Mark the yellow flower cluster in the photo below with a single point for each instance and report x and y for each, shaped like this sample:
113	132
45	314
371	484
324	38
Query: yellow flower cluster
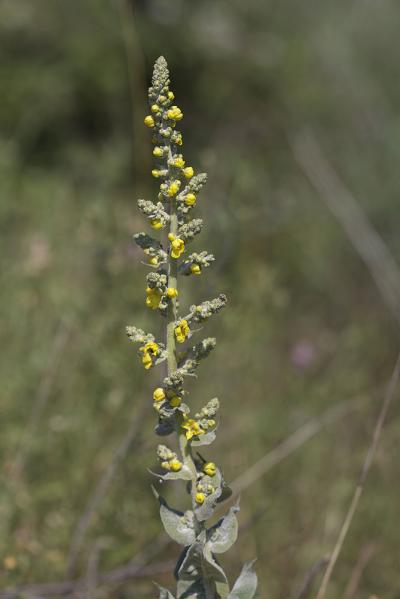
175	113
175	465
177	246
173	188
156	224
153	298
150	350
210	469
172	292
195	269
178	161
182	331
190	199
188	172
202	492
192	428
159	396
149	121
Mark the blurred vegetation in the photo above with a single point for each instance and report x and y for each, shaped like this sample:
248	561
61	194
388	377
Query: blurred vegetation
306	327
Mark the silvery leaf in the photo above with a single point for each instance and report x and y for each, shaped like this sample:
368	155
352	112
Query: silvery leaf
246	585
164	593
179	526
211	569
165	427
206	439
205	510
223	535
187	589
182	474
191	563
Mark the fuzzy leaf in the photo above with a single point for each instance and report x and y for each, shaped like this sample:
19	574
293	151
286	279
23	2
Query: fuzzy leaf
165	427
179	526
246	585
191	562
226	492
206	439
205	510
187	589
164	593
222	589
211	569
223	535
183	474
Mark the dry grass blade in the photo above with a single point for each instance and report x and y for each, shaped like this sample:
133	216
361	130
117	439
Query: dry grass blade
388	399
343	205
131	438
310	577
40	402
291	443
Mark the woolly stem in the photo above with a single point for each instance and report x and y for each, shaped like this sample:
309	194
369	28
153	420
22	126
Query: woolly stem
184	445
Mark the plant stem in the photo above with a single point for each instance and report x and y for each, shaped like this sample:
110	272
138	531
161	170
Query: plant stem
171	347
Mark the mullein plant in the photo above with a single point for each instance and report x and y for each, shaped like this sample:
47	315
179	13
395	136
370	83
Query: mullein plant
198	572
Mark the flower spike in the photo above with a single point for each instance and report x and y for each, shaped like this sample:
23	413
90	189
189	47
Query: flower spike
198	573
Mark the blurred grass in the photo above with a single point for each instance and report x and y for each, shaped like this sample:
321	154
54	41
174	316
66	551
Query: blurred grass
305	329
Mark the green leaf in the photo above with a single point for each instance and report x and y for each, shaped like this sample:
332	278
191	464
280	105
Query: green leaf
223	535
178	525
246	585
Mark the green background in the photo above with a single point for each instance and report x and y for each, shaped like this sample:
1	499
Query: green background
306	328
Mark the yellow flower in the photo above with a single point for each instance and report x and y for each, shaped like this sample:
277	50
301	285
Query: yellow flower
175	113
147	361
162	99
156	173
179	162
192	428
195	269
155	108
177	246
158	151
175	401
159	394
173	188
153	298
171	95
166	465
190	199
210	468
155	223
182	331
175	465
188	172
211	423
178	139
149	121
149	350
172	292
153	261
200	497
